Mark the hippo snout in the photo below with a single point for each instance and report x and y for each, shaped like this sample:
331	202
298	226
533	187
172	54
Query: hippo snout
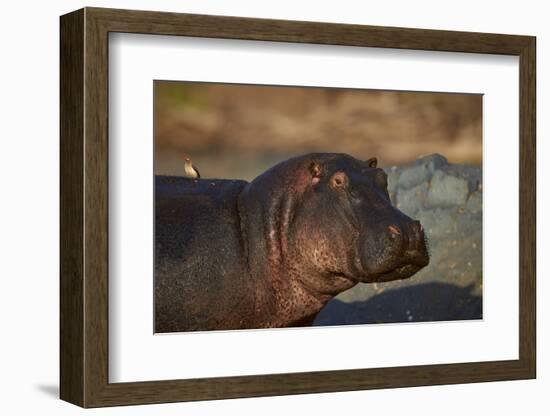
411	241
396	250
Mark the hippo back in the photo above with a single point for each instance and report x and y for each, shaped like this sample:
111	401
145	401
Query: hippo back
198	252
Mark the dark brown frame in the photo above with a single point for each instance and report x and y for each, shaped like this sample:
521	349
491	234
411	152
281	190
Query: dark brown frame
84	213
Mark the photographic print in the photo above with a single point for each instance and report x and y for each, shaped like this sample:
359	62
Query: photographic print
286	206
327	185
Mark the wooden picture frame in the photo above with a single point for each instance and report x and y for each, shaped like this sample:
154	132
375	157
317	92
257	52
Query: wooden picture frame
84	207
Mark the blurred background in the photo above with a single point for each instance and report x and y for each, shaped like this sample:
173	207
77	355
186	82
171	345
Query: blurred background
429	143
237	131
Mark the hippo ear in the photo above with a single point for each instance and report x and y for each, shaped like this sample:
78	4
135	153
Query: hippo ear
372	162
316	171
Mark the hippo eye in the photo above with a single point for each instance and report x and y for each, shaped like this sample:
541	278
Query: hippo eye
339	179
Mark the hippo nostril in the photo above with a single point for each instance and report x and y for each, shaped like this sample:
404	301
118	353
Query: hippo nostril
394	231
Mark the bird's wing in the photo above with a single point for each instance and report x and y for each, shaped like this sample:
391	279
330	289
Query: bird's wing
196	170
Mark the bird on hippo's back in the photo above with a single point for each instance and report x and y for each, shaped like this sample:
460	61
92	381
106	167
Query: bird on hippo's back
189	170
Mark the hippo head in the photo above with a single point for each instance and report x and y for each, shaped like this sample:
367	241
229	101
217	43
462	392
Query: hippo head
328	219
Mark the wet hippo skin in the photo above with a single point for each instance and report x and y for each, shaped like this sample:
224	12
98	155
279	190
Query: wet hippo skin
271	253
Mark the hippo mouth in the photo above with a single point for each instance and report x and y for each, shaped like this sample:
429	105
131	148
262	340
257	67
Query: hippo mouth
397	252
410	265
401	272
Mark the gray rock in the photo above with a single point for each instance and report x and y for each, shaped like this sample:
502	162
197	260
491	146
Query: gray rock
410	201
393	178
447	190
433	162
475	202
472	174
469	223
438	223
413	176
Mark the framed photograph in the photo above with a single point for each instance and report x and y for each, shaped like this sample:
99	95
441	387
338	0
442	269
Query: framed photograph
254	207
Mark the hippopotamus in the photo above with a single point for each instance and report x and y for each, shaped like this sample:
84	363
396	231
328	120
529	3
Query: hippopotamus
231	254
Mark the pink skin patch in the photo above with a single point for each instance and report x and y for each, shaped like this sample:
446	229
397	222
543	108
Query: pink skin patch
394	230
306	177
315	172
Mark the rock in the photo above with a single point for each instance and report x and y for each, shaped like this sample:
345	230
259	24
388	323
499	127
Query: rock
469	223
472	174
410	201
393	179
474	203
447	191
414	176
437	223
433	162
